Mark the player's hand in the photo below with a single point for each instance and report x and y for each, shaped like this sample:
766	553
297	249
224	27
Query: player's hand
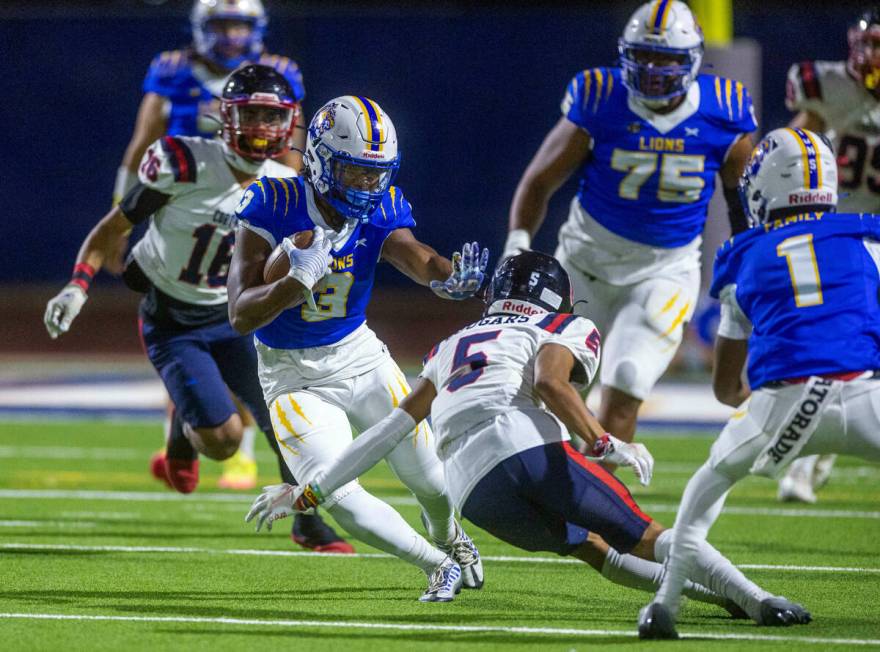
468	272
63	309
307	498
611	449
275	503
310	265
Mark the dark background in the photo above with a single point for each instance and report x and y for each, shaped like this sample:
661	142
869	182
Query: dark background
472	88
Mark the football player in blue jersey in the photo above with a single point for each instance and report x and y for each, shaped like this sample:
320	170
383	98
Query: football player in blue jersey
180	99
799	305
646	139
323	370
187	192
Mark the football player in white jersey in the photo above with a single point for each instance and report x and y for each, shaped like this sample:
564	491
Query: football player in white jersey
647	140
842	100
324	371
181	92
188	189
501	399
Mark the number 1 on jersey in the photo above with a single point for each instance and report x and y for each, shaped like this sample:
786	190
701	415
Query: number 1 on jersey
802	267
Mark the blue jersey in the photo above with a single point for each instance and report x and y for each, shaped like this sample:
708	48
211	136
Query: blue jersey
809	286
191	89
648	185
277	208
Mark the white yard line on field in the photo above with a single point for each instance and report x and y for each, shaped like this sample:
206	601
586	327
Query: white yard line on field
64	547
406	627
167	496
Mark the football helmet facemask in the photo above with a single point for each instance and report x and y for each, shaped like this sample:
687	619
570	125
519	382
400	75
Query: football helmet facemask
529	283
660	51
258	112
790	171
351	155
228	32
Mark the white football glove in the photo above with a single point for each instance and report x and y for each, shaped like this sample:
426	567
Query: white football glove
611	449
275	503
63	308
468	272
517	242
308	266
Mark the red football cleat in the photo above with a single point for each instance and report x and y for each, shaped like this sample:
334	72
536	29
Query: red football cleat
312	533
183	475
158	468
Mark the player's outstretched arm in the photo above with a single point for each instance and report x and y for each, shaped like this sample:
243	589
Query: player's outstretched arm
731	171
100	245
370	447
563	151
252	302
553	366
727	372
150	125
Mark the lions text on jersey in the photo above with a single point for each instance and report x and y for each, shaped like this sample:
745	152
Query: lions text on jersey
852	122
486	370
187	248
277	208
650	176
191	89
808	284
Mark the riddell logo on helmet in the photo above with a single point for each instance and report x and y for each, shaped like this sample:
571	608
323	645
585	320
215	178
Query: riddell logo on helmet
803	198
369	154
520	307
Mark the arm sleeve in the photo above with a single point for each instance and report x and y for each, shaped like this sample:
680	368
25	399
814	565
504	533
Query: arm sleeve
141	202
734	324
366	451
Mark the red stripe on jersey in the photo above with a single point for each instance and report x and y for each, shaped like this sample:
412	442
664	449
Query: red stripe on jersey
554	325
810	80
185	174
607	479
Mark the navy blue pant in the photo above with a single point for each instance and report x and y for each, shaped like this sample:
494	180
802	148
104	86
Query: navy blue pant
548	498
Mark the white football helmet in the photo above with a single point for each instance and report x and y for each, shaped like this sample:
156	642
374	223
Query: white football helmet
660	51
789	169
225	50
351	155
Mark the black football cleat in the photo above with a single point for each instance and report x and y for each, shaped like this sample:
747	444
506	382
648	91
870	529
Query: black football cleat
780	612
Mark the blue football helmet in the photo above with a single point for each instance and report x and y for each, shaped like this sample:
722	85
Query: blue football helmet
228	47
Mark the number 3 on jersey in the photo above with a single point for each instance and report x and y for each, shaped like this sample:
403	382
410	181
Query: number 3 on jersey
332	302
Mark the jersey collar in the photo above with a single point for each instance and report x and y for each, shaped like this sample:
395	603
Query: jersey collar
666	122
338	238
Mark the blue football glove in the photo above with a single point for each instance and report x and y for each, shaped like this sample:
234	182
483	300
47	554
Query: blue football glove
468	272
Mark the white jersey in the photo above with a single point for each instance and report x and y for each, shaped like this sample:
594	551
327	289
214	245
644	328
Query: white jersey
188	246
487	370
852	122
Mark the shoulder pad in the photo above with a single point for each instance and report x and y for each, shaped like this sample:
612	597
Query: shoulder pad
180	156
287	67
280	196
395	212
167	64
589	91
729	102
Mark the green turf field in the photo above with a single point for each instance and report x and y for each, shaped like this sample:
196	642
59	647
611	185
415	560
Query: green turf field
94	555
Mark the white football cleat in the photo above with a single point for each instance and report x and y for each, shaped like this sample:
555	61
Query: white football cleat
444	583
466	555
795	489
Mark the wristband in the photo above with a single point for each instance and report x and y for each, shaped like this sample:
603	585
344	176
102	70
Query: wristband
602	446
83	273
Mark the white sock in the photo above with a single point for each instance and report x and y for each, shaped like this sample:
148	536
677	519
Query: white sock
429	488
246	447
644	575
690	556
375	523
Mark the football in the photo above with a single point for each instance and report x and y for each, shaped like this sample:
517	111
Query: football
278	264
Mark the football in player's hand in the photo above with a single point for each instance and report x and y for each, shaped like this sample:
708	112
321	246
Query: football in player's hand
278	263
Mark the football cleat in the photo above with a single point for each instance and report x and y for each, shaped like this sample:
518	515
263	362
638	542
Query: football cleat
312	533
463	551
656	622
239	472
795	489
780	612
444	583
157	467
